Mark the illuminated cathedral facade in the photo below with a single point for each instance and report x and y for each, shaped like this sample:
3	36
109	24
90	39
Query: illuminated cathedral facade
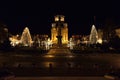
59	22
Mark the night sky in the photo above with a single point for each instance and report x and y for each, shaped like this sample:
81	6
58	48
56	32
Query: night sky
38	15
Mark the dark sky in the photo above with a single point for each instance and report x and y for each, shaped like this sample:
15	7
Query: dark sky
39	14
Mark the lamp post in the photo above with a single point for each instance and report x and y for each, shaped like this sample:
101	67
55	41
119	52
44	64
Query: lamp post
59	37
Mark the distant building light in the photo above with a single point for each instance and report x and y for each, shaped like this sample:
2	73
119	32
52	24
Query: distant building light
5	29
100	41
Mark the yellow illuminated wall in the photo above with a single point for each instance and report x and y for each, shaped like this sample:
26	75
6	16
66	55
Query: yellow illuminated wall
65	34
64	29
53	35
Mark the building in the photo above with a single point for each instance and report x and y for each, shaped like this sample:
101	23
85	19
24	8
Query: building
3	33
117	32
59	22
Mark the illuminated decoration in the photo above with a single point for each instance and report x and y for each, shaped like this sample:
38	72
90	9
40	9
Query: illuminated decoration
99	41
85	39
48	44
93	35
59	23
100	36
14	40
26	39
37	40
71	43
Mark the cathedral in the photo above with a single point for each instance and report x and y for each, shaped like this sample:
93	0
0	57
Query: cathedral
59	22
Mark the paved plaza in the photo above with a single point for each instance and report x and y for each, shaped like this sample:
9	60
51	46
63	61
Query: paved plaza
60	78
60	62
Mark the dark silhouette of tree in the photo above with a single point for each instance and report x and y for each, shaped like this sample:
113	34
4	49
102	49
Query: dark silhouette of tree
4	38
3	32
105	47
108	28
5	46
115	42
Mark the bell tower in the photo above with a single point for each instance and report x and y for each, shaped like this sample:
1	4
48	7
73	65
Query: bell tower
59	30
